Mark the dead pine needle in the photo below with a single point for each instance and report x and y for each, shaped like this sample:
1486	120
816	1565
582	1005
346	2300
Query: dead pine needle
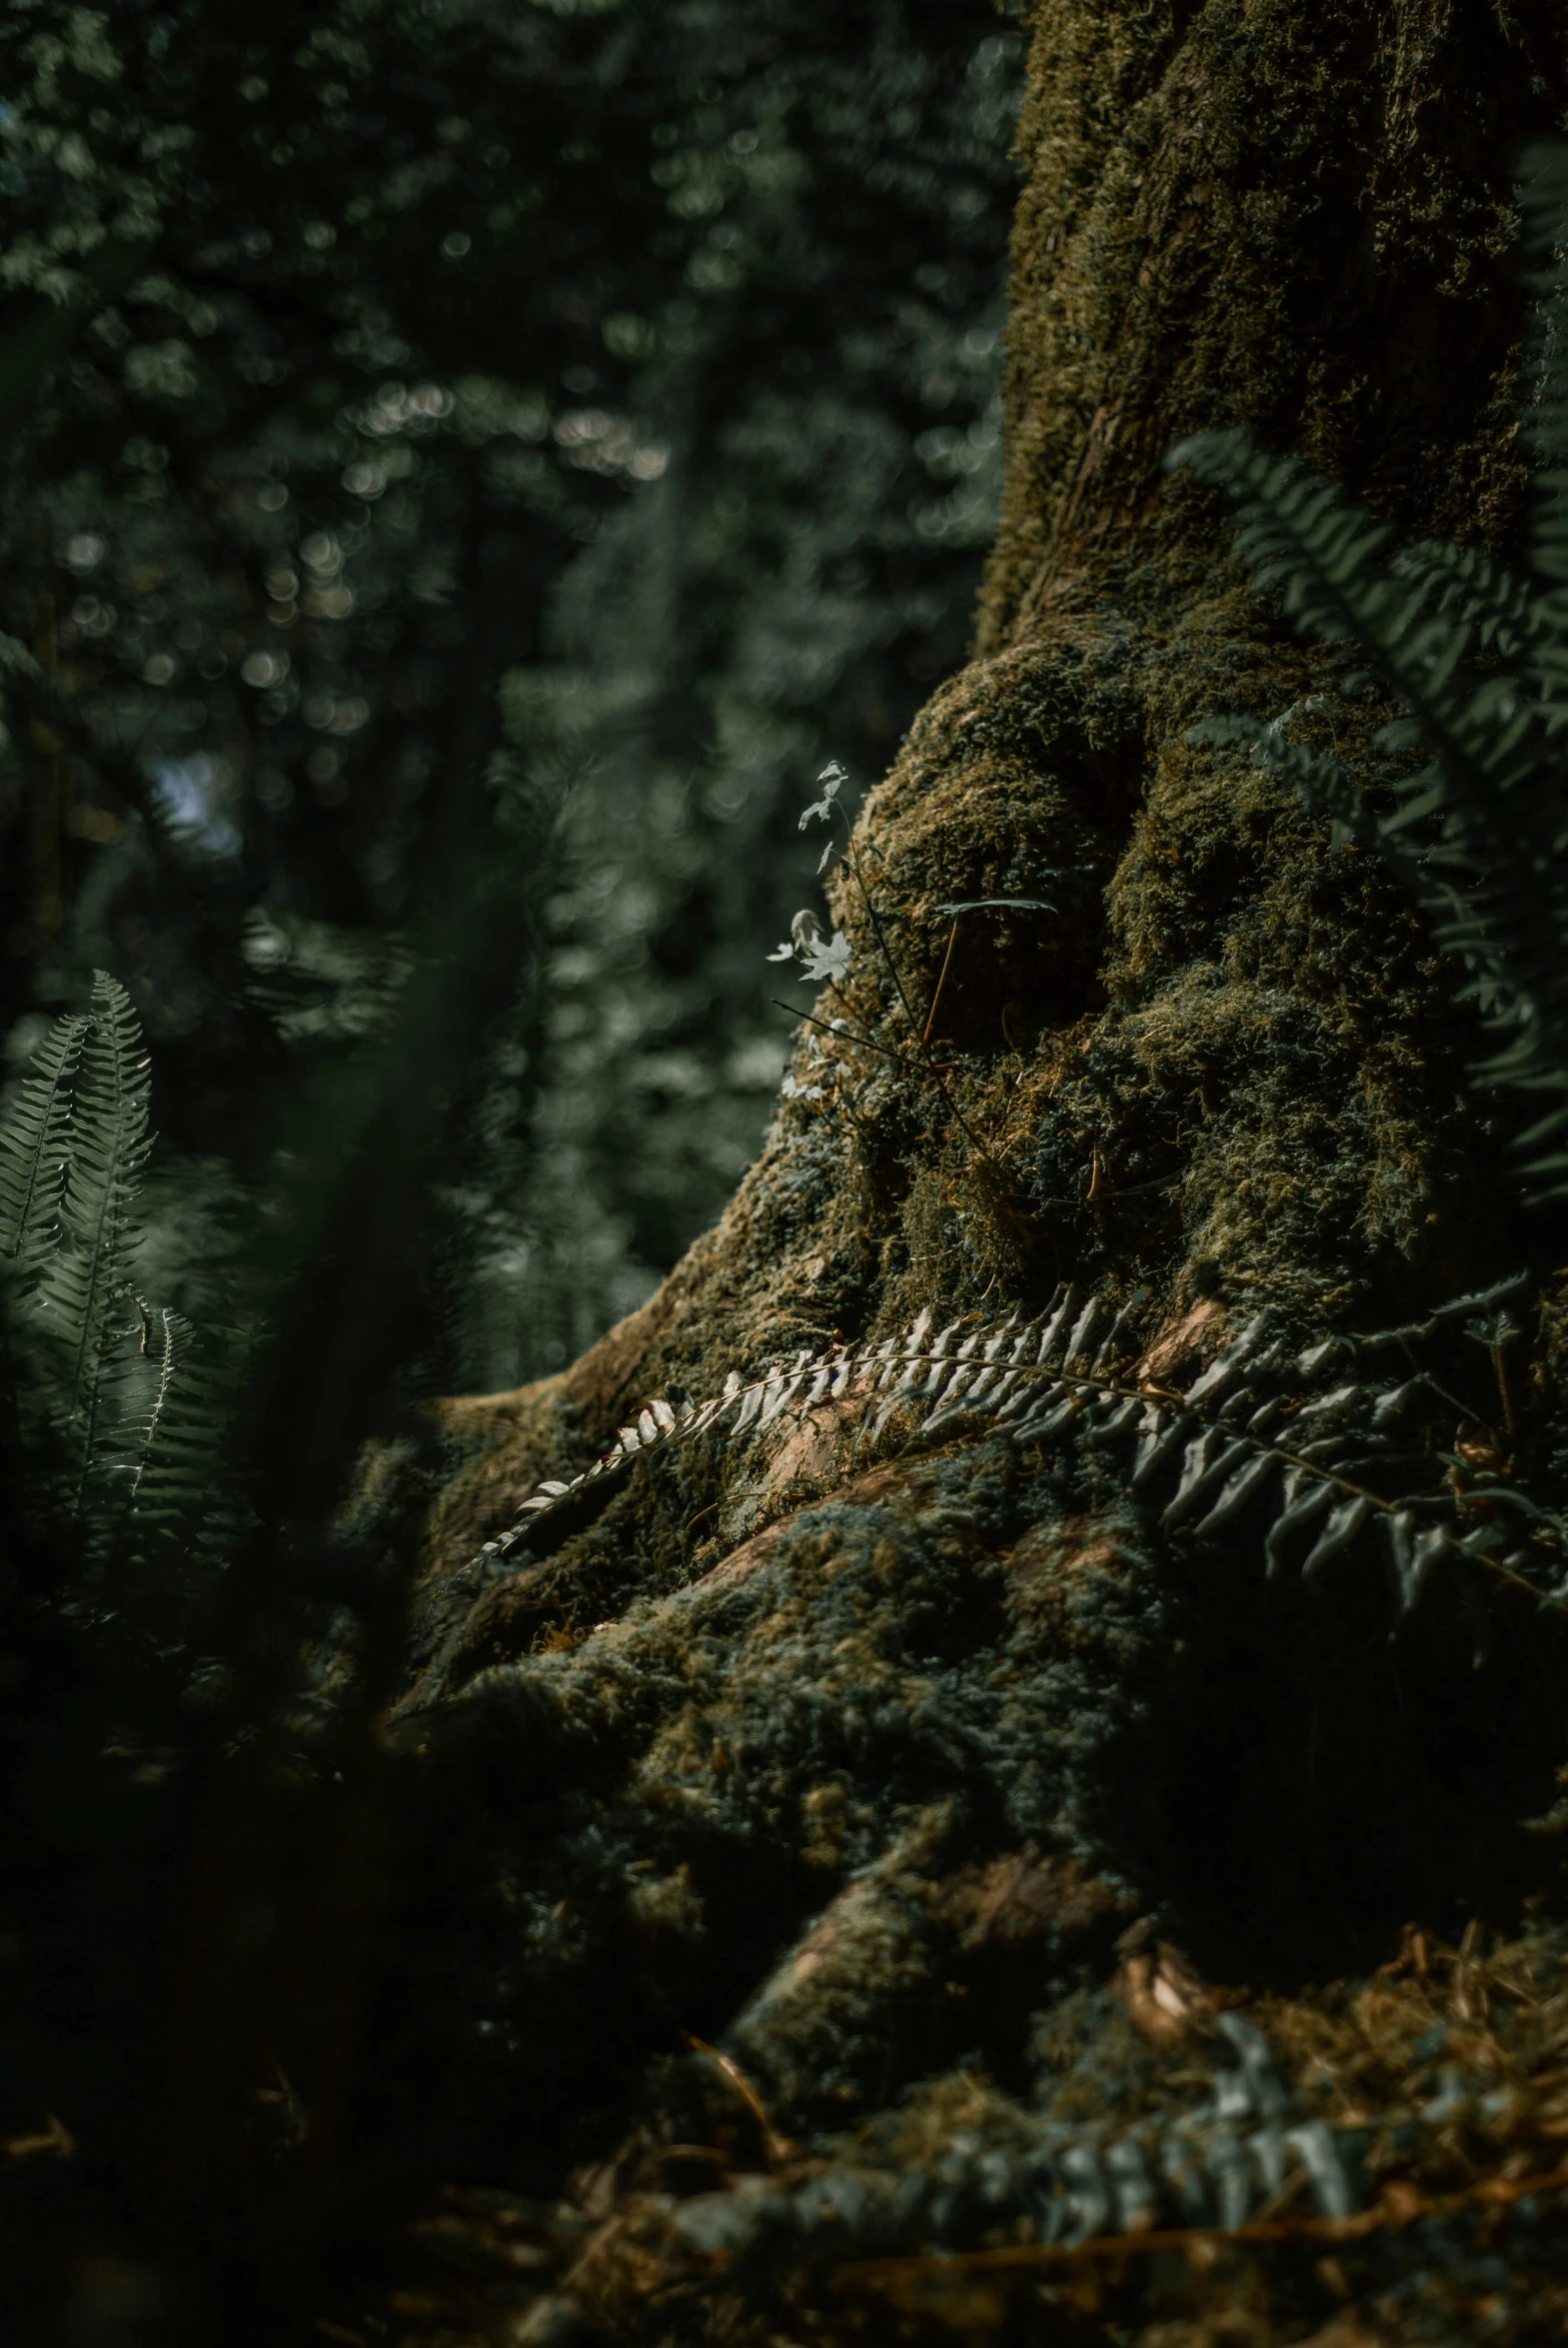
777	2149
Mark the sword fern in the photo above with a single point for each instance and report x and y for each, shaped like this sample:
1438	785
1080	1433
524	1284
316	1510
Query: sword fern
1478	824
134	1415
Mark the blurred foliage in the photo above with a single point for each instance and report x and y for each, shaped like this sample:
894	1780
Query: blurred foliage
458	452
461	462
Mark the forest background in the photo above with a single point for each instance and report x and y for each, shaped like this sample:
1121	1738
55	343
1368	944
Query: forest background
467	468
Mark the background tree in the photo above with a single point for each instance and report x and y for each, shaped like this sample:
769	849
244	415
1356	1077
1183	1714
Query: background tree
382	454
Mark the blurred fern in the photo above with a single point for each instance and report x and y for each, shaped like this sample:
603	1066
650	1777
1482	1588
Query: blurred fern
85	1298
33	1152
111	1379
1478	827
180	1487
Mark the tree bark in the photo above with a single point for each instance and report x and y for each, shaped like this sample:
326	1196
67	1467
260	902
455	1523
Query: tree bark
861	1759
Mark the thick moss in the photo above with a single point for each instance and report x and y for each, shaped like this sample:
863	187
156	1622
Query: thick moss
1247	212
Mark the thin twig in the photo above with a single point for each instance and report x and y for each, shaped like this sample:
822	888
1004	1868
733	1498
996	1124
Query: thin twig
886	950
847	1036
931	1017
923	1063
1505	1387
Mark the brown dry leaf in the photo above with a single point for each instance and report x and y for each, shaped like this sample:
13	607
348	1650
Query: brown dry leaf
811	1451
1163	1993
1175	1345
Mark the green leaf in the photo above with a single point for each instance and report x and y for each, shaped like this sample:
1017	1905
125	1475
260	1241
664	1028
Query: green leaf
34	1146
84	1295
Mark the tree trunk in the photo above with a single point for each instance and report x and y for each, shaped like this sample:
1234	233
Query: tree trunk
855	1756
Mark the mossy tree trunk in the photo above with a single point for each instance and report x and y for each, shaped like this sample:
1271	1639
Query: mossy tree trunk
854	1762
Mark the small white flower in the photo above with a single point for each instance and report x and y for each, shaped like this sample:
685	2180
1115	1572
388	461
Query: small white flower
819	958
804	931
829	783
827	960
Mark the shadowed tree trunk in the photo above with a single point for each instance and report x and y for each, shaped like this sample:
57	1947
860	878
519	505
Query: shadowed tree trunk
852	1756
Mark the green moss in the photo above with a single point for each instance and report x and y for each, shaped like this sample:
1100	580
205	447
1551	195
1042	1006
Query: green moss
1250	214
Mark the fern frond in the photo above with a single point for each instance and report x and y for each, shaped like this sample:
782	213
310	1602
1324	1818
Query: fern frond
1303	540
1480	833
1322	557
1322	783
1050	2183
142	1402
180	1490
34	1147
1285	1441
1465	584
84	1286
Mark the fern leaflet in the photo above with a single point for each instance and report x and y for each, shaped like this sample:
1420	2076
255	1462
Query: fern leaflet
84	1289
34	1147
145	1423
179	1491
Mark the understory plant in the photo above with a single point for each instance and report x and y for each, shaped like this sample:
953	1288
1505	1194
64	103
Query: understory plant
1468	803
127	1403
